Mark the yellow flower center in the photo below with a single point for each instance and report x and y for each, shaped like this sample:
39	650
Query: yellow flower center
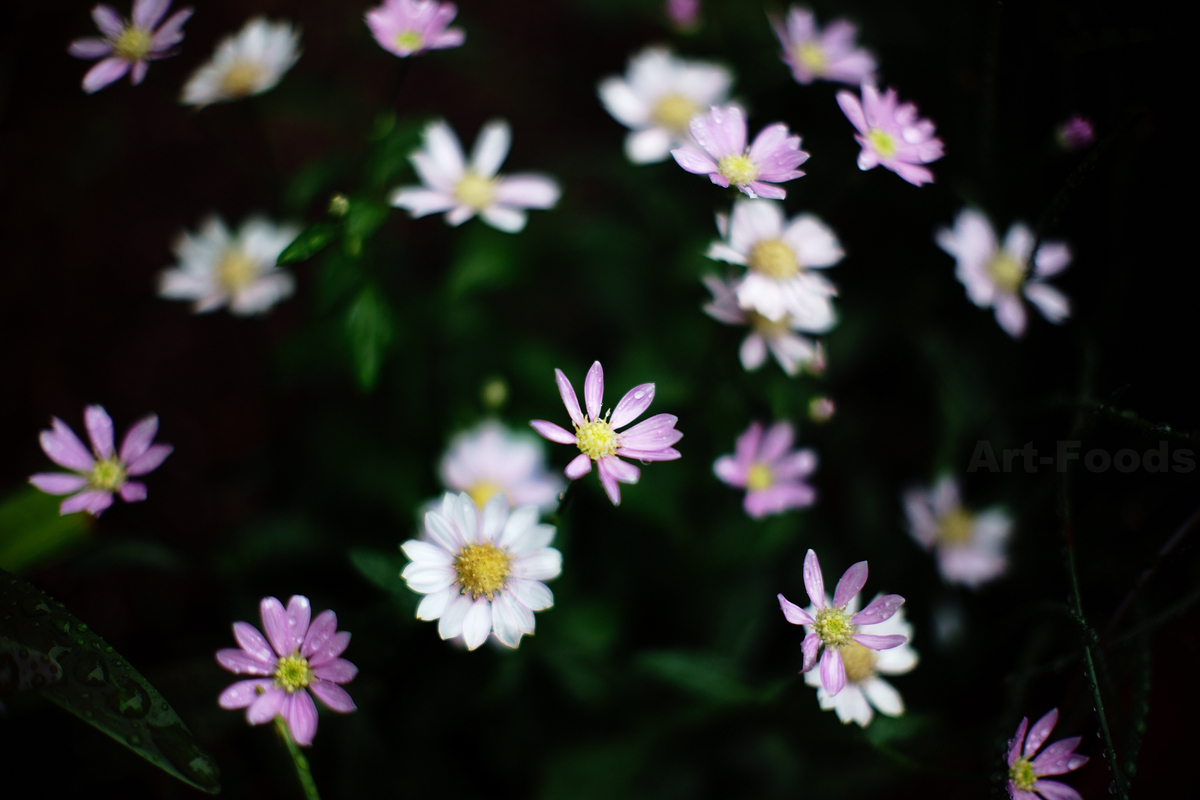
597	439
882	142
955	527
475	191
833	626
236	271
738	170
1022	775
812	56
759	478
773	258
482	569
292	673
132	44
674	112
242	79
766	328
482	491
409	40
1007	272
108	475
859	662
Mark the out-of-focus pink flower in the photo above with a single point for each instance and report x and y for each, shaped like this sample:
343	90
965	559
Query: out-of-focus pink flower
292	657
463	190
829	55
821	409
491	459
684	14
129	45
769	470
103	471
970	547
725	159
1076	133
597	437
791	350
997	276
832	626
891	134
410	27
1025	772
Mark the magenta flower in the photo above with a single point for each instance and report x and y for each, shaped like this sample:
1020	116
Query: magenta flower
1025	771
1075	133
772	158
829	55
293	656
769	470
833	626
597	437
128	43
891	134
103	471
410	27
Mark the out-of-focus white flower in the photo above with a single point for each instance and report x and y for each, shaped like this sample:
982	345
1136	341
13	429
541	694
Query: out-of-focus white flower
491	459
249	62
791	350
970	547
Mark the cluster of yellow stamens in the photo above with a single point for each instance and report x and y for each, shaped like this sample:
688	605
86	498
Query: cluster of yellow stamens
132	44
674	112
833	626
108	475
242	79
482	569
597	439
859	662
292	673
235	271
882	142
1006	272
475	191
737	169
409	40
482	491
1022	775
759	477
812	56
955	527
768	329
773	258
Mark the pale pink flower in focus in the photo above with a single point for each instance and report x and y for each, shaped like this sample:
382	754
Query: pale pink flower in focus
597	437
292	657
723	156
769	470
970	547
104	470
997	276
1075	133
891	134
129	45
410	27
833	626
829	55
1025	772
791	350
490	459
464	190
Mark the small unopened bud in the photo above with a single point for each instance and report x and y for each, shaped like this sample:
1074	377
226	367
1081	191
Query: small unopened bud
339	204
820	409
494	393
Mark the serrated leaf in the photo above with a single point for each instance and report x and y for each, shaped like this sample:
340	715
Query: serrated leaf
43	646
369	328
32	530
310	242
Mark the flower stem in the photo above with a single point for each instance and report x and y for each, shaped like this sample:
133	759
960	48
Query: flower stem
302	769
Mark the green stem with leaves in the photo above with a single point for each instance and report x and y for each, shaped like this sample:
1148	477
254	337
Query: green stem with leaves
303	772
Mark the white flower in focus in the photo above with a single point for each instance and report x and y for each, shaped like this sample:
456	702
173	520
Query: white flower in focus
970	547
491	459
791	350
217	268
249	62
658	97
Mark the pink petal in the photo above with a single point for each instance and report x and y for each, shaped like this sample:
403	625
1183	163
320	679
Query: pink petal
241	662
1017	743
92	502
853	110
775	443
766	190
747	445
609	482
58	482
1053	790
320	633
795	465
814	584
554	433
275	624
89	49
635	401
249	639
133	492
622	471
299	613
243	693
664	454
580	465
1040	732
267	706
339	670
169	34
336	645
593	391
138	73
810	646
877	642
147	13
833	672
694	161
879	610
567	392
1058	758
333	696
301	715
108	20
730	472
914	174
778	498
656	433
1051	258
851	584
137	440
794	613
64	448
150	460
104	73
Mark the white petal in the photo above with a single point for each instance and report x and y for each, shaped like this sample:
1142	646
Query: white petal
883	696
534	595
491	148
649	146
478	623
434	605
540	565
451	622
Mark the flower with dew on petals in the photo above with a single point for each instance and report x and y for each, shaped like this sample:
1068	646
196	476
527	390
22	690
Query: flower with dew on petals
828	55
833	626
792	351
597	437
997	276
249	62
1076	133
722	154
293	657
891	134
490	458
482	572
104	470
864	688
658	97
970	547
779	257
769	470
1025	772
410	27
464	190
129	45
217	268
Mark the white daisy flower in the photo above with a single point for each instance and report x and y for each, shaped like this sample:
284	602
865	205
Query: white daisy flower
217	268
970	547
490	458
791	350
249	62
658	97
482	573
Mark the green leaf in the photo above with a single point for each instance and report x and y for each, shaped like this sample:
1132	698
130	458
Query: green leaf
707	675
487	260
363	218
43	646
369	327
380	568
308	244
32	531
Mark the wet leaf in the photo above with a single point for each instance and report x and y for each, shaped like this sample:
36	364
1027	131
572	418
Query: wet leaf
308	243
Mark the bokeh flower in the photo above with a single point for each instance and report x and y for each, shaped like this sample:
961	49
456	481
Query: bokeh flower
970	547
129	45
683	14
722	154
658	97
998	275
217	268
832	626
410	27
464	190
104	471
597	437
864	687
815	54
293	657
491	458
770	471
249	62
1076	133
891	134
1025	771
482	573
792	351
821	409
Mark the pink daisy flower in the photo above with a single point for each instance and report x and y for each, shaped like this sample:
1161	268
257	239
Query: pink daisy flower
410	27
833	626
891	134
769	470
128	44
103	471
970	547
293	656
791	350
772	158
490	459
597	437
829	55
1025	772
